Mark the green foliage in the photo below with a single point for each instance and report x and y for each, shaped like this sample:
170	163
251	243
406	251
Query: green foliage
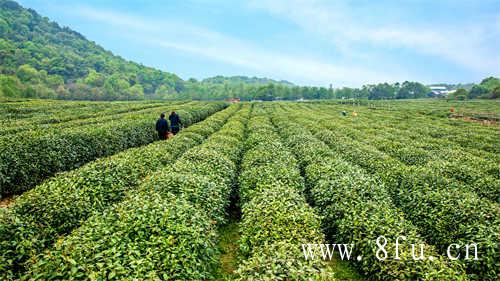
412	90
276	218
153	212
444	210
34	115
61	204
31	44
27	73
148	236
35	155
160	243
460	94
492	86
357	208
10	86
278	261
220	87
381	91
495	94
490	83
478	91
298	225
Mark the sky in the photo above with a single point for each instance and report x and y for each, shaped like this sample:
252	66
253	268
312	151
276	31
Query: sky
343	43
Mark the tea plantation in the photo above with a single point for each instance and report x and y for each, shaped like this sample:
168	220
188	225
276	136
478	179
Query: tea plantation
243	187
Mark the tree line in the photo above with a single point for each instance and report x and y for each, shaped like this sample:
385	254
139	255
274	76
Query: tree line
488	88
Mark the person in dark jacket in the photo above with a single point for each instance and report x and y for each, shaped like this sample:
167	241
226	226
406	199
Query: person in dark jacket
162	127
175	122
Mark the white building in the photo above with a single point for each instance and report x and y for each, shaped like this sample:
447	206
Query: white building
441	90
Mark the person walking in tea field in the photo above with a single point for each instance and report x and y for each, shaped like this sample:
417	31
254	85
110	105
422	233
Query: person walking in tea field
175	122
162	127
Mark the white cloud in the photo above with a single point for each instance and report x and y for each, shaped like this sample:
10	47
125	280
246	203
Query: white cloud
468	46
222	48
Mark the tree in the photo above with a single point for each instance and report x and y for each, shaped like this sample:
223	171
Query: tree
460	94
478	91
115	86
135	92
53	81
44	92
79	91
344	93
490	83
62	92
10	86
495	94
163	90
382	91
265	93
26	73
179	86
4	27
94	78
412	90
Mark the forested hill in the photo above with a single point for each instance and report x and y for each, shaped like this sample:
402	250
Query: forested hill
41	59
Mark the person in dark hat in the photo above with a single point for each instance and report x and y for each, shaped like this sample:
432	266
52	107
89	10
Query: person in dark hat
175	122
162	127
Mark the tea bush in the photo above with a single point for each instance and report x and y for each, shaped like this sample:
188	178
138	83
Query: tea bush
162	243
276	219
31	157
59	205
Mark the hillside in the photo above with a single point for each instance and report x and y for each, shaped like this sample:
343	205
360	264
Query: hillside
39	58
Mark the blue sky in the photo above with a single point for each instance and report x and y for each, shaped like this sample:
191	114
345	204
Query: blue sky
346	43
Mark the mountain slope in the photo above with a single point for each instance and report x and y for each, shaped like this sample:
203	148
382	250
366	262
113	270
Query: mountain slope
38	58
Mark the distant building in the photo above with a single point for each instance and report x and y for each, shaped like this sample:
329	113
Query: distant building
233	100
438	91
448	92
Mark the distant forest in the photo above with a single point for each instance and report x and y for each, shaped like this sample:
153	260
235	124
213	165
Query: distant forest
40	59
